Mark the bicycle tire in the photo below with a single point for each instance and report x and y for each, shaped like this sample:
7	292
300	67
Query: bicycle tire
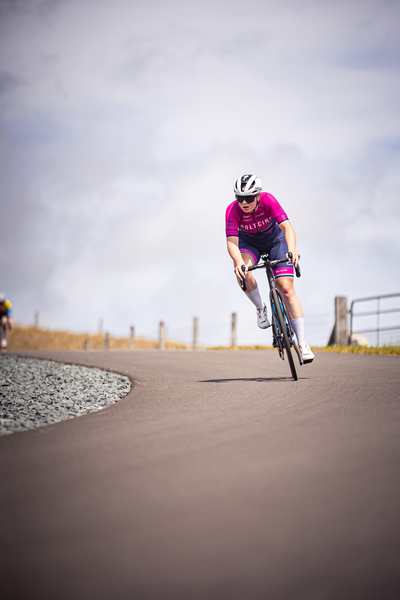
293	342
285	338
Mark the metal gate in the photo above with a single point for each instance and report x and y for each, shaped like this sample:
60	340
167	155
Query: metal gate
378	312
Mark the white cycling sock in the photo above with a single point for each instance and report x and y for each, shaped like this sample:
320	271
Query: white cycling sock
299	329
255	297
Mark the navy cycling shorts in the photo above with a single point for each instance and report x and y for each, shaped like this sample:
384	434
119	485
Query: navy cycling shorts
275	248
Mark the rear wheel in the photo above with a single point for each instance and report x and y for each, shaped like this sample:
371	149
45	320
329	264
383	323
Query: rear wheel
284	336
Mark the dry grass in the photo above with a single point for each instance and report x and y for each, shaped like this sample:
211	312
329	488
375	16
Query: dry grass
257	347
35	338
386	350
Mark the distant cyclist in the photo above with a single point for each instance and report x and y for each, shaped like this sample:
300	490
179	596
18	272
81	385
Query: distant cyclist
5	316
257	224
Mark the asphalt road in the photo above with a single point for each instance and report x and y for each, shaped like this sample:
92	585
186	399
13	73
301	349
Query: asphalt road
217	477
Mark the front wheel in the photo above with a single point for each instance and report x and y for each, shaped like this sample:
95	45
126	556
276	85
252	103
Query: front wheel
283	332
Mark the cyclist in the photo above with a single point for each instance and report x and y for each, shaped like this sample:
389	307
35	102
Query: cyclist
256	224
5	316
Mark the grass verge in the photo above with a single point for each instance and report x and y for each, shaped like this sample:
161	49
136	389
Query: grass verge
35	338
386	350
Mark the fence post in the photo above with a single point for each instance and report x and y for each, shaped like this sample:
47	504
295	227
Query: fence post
340	333
106	341
161	345
132	338
86	345
195	333
36	318
233	330
341	312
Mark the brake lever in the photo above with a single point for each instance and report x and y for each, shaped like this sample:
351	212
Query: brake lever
243	281
297	267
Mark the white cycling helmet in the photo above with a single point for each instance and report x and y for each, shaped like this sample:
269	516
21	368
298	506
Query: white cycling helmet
247	185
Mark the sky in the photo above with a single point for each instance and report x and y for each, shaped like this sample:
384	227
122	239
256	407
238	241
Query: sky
124	124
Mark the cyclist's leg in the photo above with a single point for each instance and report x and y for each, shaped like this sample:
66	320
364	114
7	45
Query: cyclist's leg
249	259
293	306
284	277
251	256
289	296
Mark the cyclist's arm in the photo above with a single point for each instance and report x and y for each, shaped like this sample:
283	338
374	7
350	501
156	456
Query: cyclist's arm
235	254
290	237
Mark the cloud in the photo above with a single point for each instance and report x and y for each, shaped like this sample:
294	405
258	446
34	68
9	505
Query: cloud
123	126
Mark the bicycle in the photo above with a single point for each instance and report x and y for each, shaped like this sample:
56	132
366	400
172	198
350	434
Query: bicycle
283	337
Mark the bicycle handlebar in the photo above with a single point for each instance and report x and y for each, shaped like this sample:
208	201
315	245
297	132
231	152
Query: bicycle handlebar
265	265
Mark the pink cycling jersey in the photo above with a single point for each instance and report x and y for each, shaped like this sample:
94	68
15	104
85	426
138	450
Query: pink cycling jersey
262	221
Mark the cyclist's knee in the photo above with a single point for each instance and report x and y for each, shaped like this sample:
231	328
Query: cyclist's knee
286	286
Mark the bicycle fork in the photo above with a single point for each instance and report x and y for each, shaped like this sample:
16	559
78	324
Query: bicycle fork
277	341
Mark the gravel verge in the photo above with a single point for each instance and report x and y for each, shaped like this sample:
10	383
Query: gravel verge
37	392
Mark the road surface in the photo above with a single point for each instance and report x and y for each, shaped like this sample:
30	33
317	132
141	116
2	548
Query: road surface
217	477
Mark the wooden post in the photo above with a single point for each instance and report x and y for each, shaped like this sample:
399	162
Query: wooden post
36	318
106	341
161	345
233	330
341	312
86	345
132	339
340	333
195	333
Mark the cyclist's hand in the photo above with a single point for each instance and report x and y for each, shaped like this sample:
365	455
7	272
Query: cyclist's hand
240	271
294	258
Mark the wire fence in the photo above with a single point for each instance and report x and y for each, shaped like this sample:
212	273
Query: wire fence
202	332
318	329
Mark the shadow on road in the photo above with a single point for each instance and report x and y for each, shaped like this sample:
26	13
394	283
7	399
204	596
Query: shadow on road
259	379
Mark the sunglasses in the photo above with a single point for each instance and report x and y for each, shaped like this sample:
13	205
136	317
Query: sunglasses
248	199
